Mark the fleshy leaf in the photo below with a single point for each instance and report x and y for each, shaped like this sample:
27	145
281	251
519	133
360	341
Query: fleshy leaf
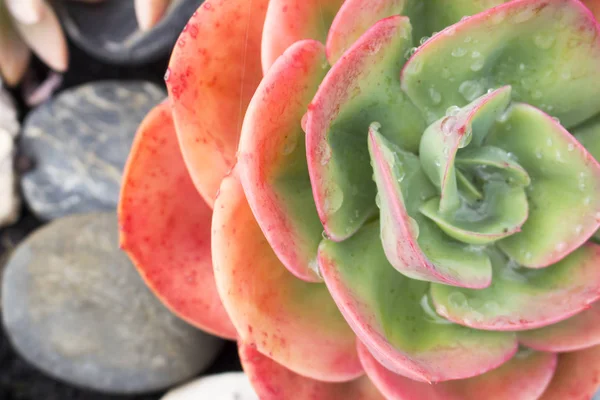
170	252
524	377
503	209
577	376
293	322
392	315
547	50
575	333
272	158
361	87
46	38
272	381
520	298
289	21
355	17
413	244
14	53
564	194
213	73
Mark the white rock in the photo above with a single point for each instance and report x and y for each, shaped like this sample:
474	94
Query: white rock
227	386
9	128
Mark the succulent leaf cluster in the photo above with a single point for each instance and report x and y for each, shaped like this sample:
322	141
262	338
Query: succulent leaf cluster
375	195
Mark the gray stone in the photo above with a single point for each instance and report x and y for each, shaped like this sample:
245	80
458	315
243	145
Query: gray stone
10	201
109	30
79	143
75	307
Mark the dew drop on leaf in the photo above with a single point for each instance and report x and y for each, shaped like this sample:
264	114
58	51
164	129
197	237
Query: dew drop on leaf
436	97
459	52
543	41
334	199
470	90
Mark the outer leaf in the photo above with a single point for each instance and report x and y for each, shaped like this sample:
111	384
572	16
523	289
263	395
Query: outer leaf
213	73
413	244
519	298
594	6
575	333
46	38
293	322
165	226
289	21
272	158
272	381
355	17
524	377
149	12
392	316
14	53
361	88
547	50
564	194
577	376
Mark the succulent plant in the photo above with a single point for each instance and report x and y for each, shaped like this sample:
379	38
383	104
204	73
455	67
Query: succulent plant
32	25
368	213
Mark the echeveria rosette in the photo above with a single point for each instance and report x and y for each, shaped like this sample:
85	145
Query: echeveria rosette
379	224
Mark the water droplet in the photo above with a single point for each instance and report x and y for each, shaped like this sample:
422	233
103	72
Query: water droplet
522	67
549	142
401	177
571	147
437	162
414	66
559	156
413	227
334	199
304	121
314	265
458	52
578	229
498	16
450	31
477	65
436	97
468	39
566	75
544	41
410	52
325	154
470	90
587	201
555	119
446	152
290	144
423	40
528	255
524	15
582	186
324	235
457	299
538	154
452	111
378	200
167	74
561	247
447	125
537	94
464	17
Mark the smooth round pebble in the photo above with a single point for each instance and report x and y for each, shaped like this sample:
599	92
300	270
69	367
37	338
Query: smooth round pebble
123	43
10	201
79	143
227	386
75	307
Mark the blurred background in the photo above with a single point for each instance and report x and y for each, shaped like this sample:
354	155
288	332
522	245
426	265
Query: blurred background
78	322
